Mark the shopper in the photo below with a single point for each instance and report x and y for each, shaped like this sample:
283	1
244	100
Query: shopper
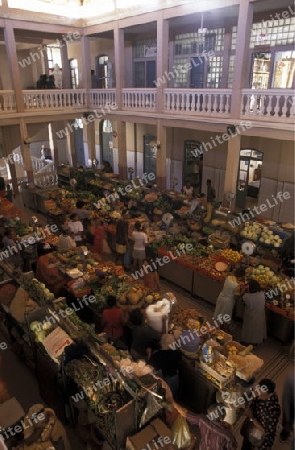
76	227
121	239
215	435
254	323
265	410
9	193
211	194
167	361
288	406
113	320
140	241
94	80
98	236
106	167
143	337
226	299
151	278
188	190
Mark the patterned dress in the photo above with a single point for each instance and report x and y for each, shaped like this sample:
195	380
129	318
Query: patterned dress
267	413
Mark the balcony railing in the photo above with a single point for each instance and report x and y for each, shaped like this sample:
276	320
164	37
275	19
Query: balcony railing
139	99
7	101
273	105
99	98
269	105
55	99
209	102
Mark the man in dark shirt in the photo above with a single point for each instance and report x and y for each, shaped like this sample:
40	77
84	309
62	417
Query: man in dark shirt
167	361
143	337
211	195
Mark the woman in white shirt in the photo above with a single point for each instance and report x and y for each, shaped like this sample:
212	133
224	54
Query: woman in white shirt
188	190
140	240
76	227
65	240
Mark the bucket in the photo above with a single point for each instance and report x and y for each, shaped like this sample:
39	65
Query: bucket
155	313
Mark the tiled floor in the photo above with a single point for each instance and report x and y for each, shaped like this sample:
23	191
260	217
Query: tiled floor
23	385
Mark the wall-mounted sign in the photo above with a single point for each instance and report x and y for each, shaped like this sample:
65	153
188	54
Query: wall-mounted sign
150	50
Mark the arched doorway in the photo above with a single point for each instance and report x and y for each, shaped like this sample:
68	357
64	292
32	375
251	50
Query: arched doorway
249	178
106	141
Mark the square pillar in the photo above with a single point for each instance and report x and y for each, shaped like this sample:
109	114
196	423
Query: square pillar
122	150
245	21
232	164
66	73
25	149
85	82
162	59
10	45
161	155
119	63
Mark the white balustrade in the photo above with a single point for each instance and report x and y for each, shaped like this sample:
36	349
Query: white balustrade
102	98
139	99
7	101
54	99
268	104
47	176
37	163
208	102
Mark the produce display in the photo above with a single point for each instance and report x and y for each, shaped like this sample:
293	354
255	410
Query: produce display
252	230
270	238
264	275
36	290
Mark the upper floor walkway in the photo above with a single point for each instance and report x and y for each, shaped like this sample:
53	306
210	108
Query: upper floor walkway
274	106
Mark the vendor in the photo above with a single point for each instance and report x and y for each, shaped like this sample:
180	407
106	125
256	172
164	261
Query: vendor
66	240
76	227
211	194
106	167
188	190
198	202
81	212
143	337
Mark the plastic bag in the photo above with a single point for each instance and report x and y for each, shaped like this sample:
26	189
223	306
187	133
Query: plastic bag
252	433
181	433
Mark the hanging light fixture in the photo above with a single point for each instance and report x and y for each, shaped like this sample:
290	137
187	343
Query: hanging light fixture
202	30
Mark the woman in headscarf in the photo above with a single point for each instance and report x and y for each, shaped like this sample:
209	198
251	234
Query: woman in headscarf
265	410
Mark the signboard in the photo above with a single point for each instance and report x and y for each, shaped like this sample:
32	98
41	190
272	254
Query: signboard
150	50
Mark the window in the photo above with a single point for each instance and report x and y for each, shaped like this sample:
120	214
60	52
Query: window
195	43
273	32
181	75
54	57
284	68
231	71
233	38
143	49
74	73
214	72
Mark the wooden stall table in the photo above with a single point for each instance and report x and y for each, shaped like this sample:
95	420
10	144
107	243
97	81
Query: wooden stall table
206	288
50	276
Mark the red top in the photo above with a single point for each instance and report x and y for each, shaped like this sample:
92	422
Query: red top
112	323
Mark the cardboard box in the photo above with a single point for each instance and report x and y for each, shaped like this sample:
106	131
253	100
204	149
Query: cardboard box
155	436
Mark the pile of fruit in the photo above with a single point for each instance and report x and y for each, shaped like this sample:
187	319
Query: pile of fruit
264	275
38	291
41	329
230	256
270	238
251	231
